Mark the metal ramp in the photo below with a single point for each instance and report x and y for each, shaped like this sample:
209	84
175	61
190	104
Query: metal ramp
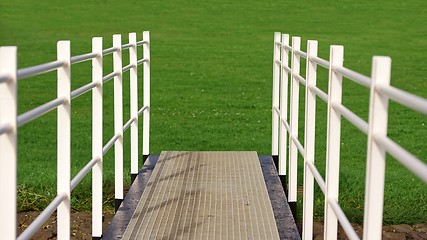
204	195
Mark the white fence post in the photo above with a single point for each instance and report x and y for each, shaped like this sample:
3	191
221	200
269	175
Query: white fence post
8	143
333	141
375	169
309	140
97	141
146	117
283	134
133	107
118	120
64	140
275	104
293	151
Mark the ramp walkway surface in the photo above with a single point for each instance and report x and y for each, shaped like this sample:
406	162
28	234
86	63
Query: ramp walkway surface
203	195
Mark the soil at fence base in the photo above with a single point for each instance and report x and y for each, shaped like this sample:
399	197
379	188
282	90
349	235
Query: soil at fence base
81	225
393	232
81	228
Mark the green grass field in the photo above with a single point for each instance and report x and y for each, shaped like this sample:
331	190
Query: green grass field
211	83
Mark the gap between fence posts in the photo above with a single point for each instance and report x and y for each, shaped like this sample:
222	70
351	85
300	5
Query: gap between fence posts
375	169
333	141
309	140
146	93
97	135
8	142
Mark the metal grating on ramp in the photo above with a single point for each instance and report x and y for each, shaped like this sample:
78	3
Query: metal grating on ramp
204	195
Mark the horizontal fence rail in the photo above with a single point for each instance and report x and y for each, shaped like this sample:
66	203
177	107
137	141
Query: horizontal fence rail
286	145
10	121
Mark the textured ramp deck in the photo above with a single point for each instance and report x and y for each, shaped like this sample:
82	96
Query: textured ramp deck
204	195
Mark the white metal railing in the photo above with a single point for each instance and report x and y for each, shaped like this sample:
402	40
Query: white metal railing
10	121
285	132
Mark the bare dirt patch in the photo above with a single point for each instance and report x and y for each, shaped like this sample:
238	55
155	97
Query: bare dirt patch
81	225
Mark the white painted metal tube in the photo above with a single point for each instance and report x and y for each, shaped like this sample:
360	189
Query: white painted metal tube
118	117
286	68
283	113
109	50
109	76
287	127
83	57
42	218
4	78
39	69
39	111
63	154
298	145
354	76
320	61
5	128
97	137
83	89
333	141
309	142
293	121
357	121
319	179
376	155
286	46
319	93
8	143
142	110
146	97
300	53
141	42
126	46
128	123
134	131
109	144
128	67
345	224
141	61
83	172
300	79
276	110
418	167
275	98
406	99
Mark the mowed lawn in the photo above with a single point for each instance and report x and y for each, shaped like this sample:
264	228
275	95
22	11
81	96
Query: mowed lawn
211	84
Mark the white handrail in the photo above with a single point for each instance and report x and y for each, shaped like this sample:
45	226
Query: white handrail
83	89
39	69
83	57
109	50
9	122
39	111
406	99
4	78
354	76
376	130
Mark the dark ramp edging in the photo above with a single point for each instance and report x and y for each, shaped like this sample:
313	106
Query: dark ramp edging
125	212
282	213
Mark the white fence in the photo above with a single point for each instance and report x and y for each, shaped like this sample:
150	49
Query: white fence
285	132
10	121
